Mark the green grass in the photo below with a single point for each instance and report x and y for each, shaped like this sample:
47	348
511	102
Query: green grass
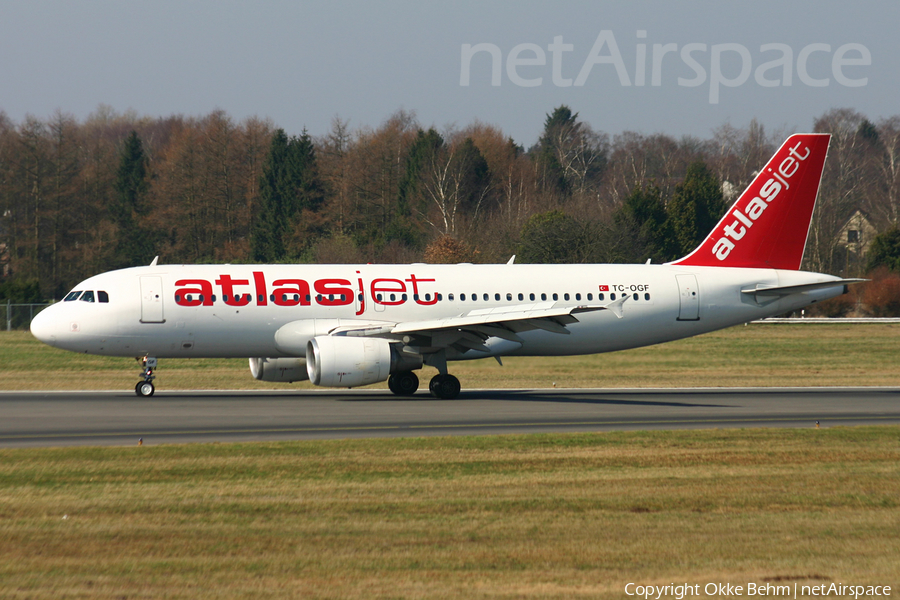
540	516
755	355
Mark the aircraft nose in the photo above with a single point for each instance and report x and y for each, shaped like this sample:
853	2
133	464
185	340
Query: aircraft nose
44	326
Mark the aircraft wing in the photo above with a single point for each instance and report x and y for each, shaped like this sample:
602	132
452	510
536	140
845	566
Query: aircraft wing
469	330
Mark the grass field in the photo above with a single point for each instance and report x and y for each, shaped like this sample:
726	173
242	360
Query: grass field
540	516
493	517
755	355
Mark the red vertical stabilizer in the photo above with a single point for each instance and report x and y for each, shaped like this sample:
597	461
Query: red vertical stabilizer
768	225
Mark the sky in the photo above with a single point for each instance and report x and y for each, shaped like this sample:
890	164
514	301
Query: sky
679	68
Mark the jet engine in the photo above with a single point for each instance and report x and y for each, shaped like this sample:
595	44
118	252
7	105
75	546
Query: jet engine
343	361
284	370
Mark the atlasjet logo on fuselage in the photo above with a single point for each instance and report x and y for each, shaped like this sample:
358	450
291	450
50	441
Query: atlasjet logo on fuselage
293	292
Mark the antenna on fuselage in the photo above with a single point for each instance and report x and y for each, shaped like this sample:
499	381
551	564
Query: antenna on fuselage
511	260
153	262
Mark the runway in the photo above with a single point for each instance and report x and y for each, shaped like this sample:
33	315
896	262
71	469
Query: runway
120	418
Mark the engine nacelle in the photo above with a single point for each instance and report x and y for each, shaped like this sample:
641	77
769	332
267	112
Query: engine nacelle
343	361
285	370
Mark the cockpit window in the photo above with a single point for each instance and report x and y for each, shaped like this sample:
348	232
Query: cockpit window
87	296
102	296
72	296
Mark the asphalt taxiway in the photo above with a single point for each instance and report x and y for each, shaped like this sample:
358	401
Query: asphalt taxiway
121	418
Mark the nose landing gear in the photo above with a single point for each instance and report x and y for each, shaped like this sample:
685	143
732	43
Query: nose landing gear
145	388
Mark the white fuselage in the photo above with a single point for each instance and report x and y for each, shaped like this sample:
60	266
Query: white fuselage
243	306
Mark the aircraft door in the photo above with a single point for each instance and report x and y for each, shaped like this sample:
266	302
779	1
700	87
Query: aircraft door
151	300
688	298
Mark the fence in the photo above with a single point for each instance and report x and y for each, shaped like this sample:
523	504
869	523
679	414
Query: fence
19	316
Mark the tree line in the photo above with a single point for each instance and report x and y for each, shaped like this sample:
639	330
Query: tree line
116	189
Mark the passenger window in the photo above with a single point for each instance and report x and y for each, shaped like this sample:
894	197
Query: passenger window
521	296
646	296
591	297
634	296
72	296
378	297
612	296
393	297
497	297
577	296
531	296
566	297
601	297
509	297
450	297
543	296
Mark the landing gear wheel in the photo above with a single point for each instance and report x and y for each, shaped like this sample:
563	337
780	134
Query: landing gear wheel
144	388
404	384
446	387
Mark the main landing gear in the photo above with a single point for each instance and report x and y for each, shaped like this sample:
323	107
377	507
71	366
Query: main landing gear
404	384
445	387
145	388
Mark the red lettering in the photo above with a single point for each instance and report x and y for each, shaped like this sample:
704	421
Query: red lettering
259	280
231	298
362	297
285	296
203	290
416	295
333	296
383	290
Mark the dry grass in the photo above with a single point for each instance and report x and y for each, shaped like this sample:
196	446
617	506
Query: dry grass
756	355
547	516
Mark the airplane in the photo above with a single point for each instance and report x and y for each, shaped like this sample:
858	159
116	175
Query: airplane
344	326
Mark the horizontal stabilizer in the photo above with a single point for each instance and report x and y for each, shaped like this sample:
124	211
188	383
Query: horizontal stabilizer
787	290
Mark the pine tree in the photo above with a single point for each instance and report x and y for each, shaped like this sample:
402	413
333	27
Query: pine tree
288	186
557	125
643	215
885	251
695	208
135	243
